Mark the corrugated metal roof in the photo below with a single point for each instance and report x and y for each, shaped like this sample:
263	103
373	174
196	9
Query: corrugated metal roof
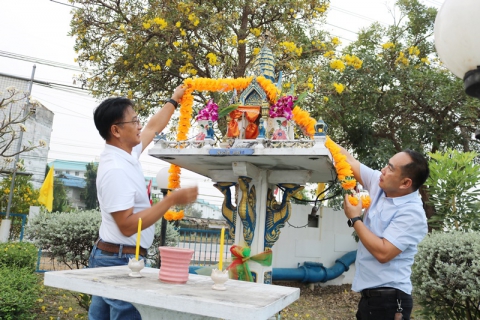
69	165
72	181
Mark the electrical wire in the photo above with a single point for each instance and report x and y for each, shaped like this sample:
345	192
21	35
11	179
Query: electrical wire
50	63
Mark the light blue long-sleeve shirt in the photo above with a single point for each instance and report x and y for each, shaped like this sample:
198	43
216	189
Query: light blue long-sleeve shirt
401	221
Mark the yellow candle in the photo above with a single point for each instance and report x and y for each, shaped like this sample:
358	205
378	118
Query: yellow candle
137	249
222	240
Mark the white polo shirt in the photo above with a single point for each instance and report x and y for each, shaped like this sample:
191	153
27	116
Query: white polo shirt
121	186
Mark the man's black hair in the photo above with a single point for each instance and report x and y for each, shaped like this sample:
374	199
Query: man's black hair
417	170
108	112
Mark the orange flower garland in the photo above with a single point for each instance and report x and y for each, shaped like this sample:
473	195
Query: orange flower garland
186	111
365	201
270	89
345	174
174	215
303	119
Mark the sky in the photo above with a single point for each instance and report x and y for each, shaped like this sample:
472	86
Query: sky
38	29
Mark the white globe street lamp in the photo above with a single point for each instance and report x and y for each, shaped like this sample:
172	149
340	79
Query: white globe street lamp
457	42
162	179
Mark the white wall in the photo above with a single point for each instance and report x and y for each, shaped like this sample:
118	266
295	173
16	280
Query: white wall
325	244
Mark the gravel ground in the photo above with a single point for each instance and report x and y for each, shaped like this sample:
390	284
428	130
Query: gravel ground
316	302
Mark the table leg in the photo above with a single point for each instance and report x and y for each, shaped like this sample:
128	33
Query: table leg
151	313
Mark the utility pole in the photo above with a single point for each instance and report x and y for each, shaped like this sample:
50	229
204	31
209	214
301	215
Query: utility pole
6	223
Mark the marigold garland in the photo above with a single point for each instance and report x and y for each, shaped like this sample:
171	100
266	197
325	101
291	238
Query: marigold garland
186	111
174	215
269	87
345	174
303	119
365	201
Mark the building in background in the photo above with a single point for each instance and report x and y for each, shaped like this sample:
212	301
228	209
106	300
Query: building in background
38	127
74	187
72	174
69	167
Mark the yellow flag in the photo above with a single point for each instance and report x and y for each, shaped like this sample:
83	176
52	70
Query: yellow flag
46	191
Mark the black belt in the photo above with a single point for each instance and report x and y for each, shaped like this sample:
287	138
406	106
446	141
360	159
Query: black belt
381	292
115	248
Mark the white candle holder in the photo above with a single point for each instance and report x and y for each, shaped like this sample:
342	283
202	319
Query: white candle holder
219	277
135	266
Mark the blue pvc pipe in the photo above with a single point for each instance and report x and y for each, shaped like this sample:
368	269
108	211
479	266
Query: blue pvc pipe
310	272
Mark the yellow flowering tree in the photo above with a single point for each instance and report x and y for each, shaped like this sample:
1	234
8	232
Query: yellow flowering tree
388	91
24	194
144	49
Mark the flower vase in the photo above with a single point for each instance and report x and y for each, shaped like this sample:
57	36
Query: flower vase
205	130
174	264
202	129
279	128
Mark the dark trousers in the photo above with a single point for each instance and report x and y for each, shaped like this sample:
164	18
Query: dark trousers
381	304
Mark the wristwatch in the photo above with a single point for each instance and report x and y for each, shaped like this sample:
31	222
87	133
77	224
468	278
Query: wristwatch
175	103
352	221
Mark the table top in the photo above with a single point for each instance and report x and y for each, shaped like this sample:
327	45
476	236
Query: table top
242	299
317	161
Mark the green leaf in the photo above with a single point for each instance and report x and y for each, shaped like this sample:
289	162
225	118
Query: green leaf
223	112
300	98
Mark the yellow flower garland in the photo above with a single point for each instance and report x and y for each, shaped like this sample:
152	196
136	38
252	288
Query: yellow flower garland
269	87
223	85
174	215
186	111
345	173
303	119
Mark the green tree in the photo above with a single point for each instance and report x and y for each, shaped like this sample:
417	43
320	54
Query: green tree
453	190
90	191
60	198
401	96
144	49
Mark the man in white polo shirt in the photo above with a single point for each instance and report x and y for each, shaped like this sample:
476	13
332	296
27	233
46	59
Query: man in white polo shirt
389	234
122	194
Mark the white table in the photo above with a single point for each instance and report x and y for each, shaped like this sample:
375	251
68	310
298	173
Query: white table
194	300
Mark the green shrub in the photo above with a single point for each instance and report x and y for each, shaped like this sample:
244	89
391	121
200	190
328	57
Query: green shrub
19	291
18	255
69	237
446	276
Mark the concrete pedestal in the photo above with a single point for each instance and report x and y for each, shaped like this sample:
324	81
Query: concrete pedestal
194	300
295	162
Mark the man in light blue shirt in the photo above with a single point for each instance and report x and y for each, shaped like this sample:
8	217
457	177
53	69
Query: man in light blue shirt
389	233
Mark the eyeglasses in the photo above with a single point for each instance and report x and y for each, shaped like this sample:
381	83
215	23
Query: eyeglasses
136	121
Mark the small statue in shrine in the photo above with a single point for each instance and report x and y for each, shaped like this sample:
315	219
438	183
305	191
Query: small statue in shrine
261	129
320	128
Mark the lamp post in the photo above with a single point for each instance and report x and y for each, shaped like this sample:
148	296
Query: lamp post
162	183
457	44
